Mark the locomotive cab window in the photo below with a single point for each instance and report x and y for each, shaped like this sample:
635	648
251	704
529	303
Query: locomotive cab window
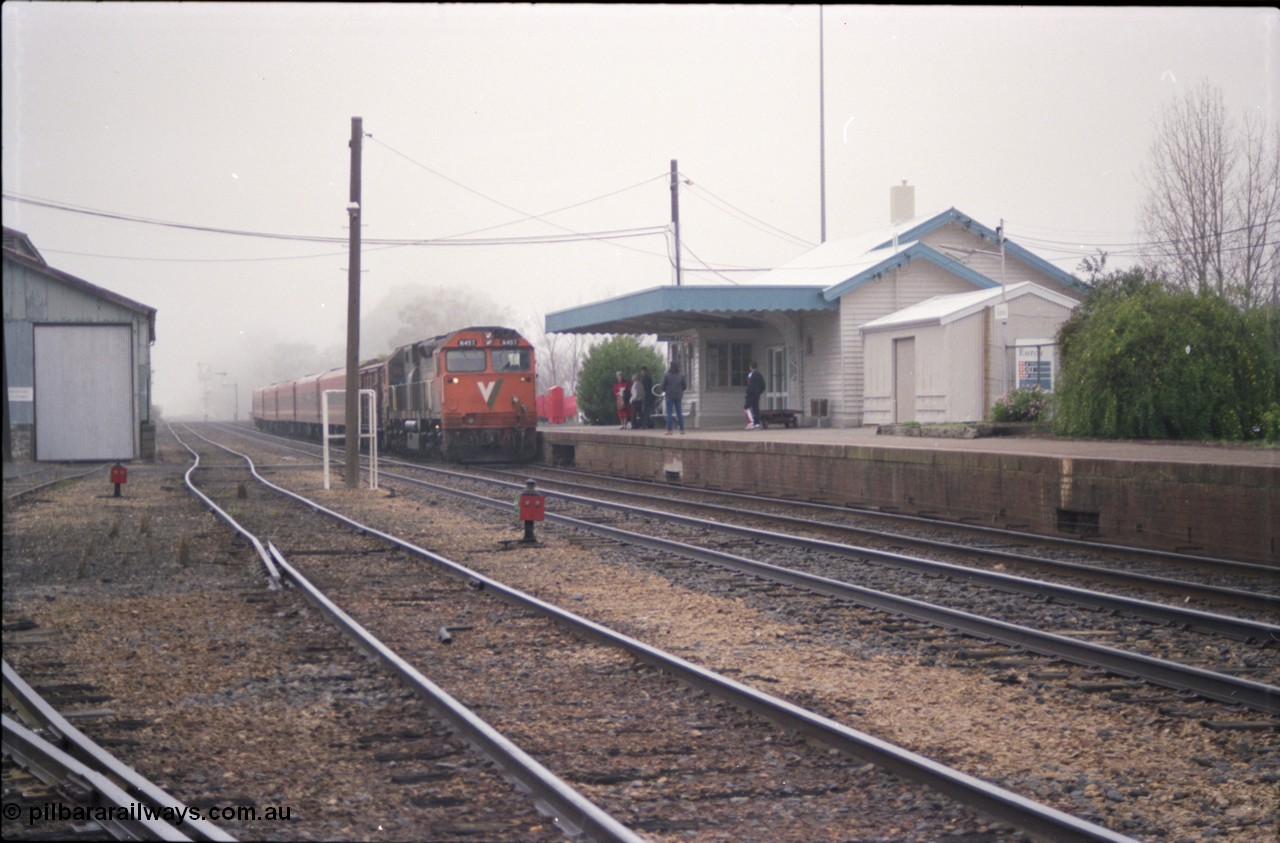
464	360
511	360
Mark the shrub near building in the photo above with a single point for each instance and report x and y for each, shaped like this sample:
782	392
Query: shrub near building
595	379
1142	361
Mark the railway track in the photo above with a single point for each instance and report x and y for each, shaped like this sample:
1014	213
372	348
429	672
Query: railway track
1156	647
722	759
1039	681
1207	582
93	785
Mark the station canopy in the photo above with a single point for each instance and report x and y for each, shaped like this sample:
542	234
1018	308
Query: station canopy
674	310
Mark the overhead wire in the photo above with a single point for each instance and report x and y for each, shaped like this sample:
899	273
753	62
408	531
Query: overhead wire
568	236
524	214
739	214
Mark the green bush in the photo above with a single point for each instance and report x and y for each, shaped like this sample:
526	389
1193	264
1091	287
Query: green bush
595	378
1141	361
1025	404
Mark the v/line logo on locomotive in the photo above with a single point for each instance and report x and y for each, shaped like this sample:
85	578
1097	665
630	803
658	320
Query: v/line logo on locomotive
426	404
489	392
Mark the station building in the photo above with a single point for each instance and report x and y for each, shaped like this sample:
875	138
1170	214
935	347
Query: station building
77	365
930	319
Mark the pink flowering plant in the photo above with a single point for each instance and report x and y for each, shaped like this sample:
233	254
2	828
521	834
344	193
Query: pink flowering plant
1026	404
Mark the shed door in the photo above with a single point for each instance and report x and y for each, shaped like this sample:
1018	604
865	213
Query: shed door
84	392
904	380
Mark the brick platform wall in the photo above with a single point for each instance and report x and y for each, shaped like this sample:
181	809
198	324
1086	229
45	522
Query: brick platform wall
1224	511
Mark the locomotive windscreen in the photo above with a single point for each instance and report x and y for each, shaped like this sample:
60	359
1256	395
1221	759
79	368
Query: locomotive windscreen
464	360
511	360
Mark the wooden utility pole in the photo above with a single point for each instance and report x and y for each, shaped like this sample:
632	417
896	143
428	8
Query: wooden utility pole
352	473
675	213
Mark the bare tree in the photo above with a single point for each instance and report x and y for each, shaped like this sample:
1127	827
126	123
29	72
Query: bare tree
1212	210
1257	204
560	357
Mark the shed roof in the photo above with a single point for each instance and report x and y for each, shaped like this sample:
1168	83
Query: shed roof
19	249
941	310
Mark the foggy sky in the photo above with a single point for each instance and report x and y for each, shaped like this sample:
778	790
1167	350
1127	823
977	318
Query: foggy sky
238	116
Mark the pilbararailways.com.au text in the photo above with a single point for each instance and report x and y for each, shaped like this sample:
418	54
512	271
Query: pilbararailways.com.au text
138	811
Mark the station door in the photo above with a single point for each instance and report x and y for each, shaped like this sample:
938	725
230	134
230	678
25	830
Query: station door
775	378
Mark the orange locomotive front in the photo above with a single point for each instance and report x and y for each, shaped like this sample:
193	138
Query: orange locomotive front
488	401
465	396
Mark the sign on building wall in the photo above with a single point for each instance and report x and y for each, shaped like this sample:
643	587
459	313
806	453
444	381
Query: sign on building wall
1036	363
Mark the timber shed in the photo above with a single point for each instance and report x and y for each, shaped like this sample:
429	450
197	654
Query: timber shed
943	360
77	365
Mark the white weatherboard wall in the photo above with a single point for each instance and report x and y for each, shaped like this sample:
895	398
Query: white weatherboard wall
84	392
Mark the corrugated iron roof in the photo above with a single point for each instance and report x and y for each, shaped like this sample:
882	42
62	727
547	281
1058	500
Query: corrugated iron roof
34	262
825	272
941	310
673	309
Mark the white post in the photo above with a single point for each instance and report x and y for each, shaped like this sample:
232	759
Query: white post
370	397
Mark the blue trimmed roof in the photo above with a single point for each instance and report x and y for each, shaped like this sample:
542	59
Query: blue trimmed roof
951	215
672	309
814	280
916	251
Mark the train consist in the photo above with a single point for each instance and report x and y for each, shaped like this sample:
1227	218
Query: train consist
467	396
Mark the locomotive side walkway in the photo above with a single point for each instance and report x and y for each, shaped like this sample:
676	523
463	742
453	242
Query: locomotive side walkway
1211	500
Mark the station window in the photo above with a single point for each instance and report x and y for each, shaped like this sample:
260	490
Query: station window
727	364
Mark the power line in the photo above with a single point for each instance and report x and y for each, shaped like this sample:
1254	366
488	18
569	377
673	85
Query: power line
743	216
570	236
524	215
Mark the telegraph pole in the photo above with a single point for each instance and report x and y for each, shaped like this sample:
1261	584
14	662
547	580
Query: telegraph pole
675	213
352	473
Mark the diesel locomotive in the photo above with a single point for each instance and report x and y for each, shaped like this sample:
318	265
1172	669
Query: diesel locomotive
465	396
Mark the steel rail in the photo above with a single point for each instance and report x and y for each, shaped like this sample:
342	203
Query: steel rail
273	575
55	481
1226	625
109	805
1206	683
1253	600
61	734
573	812
570	810
1040	821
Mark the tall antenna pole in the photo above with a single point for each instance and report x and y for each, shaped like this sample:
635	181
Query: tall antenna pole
822	127
352	466
675	214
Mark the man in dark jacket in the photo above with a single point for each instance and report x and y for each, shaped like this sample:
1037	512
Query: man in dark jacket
646	412
755	388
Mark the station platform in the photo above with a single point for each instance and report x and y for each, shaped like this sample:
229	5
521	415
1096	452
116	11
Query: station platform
1214	500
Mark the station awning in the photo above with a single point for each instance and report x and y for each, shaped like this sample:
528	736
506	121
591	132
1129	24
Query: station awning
671	310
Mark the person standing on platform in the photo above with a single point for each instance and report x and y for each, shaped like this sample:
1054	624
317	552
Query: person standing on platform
673	387
755	388
636	396
646	410
622	398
